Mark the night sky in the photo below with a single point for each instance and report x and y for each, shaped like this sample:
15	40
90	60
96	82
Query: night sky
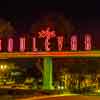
86	13
30	8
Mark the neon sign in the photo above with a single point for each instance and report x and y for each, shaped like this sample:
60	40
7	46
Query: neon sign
60	42
88	42
0	45
73	42
10	45
34	44
22	44
47	35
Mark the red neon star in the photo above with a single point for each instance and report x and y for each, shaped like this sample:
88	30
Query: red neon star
47	33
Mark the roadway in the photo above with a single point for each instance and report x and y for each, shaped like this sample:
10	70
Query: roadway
63	98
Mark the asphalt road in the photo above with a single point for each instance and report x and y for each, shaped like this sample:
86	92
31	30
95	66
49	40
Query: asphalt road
65	98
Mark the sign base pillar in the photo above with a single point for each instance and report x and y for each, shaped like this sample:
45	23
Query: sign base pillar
47	73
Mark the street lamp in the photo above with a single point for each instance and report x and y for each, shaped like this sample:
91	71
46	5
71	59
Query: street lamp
3	67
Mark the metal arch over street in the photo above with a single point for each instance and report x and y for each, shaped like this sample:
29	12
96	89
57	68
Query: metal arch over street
5	55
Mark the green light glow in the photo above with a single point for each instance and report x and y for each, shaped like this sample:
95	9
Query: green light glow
47	73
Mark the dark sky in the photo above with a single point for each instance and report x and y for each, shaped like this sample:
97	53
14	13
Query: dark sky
81	9
85	12
30	10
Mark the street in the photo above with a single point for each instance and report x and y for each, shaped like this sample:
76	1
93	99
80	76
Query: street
64	98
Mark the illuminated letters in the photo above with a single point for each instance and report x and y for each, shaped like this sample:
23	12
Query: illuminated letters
88	40
10	45
22	44
60	42
73	42
47	43
0	44
34	44
46	35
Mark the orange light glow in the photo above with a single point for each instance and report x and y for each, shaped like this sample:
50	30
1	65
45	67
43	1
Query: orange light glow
50	54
